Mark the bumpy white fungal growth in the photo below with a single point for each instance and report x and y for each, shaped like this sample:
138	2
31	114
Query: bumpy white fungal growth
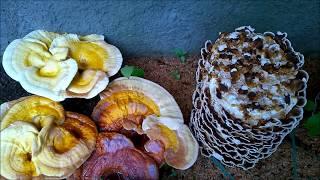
249	95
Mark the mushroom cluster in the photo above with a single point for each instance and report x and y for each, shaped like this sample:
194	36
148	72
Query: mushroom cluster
39	139
59	66
141	128
116	155
250	94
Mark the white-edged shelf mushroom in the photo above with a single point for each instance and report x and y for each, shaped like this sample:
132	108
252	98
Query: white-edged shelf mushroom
40	140
139	105
116	154
250	94
60	66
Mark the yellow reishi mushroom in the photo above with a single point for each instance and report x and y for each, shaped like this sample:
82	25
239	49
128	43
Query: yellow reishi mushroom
16	143
91	52
127	101
180	147
45	37
40	72
39	138
21	54
26	108
87	84
67	146
47	64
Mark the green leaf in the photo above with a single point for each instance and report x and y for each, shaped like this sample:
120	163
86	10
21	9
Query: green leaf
313	125
128	71
182	59
310	105
181	54
139	72
175	74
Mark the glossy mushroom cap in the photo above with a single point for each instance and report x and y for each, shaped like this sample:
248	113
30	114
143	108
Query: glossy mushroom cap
16	151
127	101
139	105
59	66
66	147
39	139
26	108
116	154
180	148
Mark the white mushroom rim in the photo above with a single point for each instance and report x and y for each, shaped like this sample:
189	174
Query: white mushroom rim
56	65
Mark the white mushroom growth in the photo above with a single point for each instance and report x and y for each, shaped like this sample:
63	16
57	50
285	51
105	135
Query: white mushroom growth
59	66
250	94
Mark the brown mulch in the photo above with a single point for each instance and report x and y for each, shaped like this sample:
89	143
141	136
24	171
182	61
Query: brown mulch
277	166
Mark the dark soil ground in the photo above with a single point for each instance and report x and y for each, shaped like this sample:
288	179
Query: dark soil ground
277	166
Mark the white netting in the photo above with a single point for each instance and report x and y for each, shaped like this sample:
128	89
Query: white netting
233	140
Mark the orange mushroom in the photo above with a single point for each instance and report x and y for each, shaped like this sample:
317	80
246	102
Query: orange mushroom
127	101
139	105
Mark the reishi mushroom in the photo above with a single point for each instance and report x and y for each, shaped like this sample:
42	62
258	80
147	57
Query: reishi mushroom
26	108
16	151
39	71
60	66
180	147
127	101
90	52
55	143
40	139
66	147
116	154
136	104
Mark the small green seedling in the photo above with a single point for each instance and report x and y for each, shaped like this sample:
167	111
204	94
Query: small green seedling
128	71
312	123
181	54
175	74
